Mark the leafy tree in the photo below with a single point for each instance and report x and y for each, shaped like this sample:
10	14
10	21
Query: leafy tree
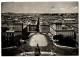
17	39
66	41
25	34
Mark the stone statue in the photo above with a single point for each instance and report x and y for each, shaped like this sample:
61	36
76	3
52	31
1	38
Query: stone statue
37	51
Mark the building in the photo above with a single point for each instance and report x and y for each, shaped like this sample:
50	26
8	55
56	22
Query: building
11	31
58	28
9	35
69	21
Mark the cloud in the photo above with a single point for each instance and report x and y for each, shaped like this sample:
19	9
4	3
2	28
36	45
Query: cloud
69	9
75	8
62	8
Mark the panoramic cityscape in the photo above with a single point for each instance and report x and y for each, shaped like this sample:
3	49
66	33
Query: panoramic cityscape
42	33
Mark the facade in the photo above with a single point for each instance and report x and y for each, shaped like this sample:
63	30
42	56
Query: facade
9	35
12	31
58	28
65	33
31	28
45	28
69	21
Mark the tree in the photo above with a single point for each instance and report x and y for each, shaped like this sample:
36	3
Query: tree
17	39
58	37
25	34
68	41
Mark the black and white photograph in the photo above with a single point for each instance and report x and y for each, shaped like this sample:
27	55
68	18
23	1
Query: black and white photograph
40	28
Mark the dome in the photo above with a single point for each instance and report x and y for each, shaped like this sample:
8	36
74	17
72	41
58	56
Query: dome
39	39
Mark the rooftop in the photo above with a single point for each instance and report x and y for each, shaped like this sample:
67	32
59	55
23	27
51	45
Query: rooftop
69	19
10	31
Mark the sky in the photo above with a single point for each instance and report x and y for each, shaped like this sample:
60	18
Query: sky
39	7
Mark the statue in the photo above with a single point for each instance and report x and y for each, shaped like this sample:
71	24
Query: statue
37	51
